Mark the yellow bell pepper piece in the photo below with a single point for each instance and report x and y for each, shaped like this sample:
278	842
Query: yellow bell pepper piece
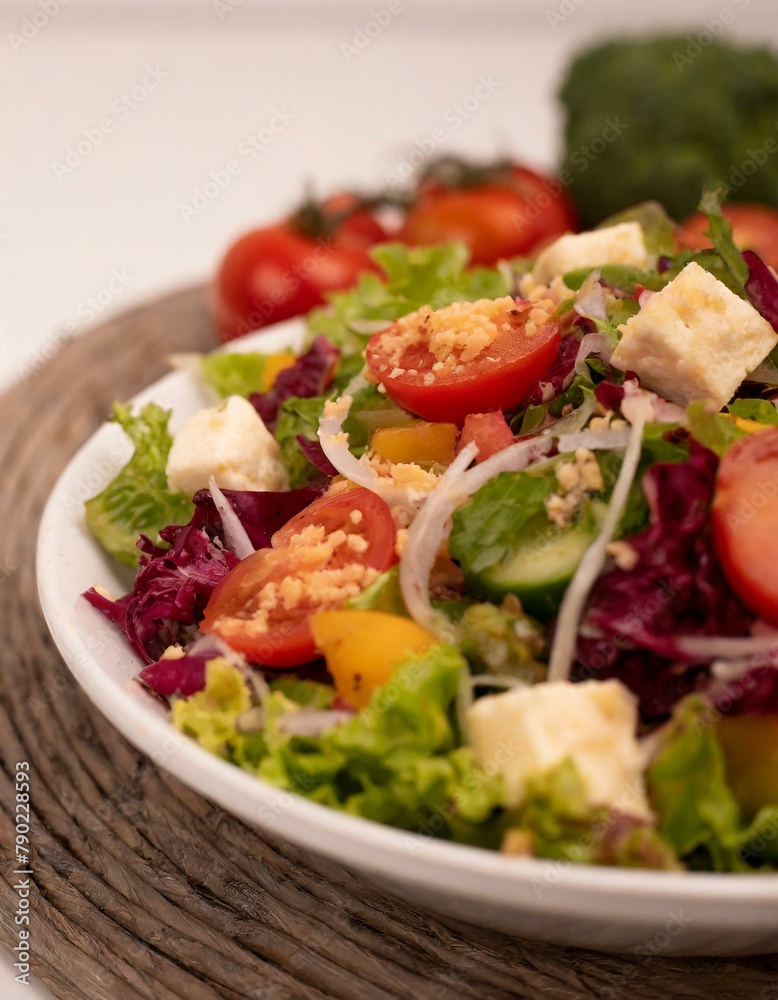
362	648
275	363
421	442
750	426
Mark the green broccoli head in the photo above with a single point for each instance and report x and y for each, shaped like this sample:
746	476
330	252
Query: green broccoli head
662	118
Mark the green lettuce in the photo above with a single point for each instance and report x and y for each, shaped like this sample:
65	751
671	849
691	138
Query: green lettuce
432	276
698	813
761	410
138	500
235	374
554	821
714	430
399	761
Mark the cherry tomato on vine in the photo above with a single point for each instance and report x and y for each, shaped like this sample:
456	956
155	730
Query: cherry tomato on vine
500	212
281	271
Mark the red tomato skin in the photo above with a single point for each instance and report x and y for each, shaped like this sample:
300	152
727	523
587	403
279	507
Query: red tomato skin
754	227
289	643
482	387
744	521
275	273
497	220
490	431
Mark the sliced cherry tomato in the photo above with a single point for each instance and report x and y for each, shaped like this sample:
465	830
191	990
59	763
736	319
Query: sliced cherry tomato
496	379
499	212
264	605
754	227
744	520
281	271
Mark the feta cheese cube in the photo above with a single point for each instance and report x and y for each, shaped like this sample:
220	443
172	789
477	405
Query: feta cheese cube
230	443
694	339
527	731
620	244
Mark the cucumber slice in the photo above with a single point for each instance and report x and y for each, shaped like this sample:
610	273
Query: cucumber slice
542	564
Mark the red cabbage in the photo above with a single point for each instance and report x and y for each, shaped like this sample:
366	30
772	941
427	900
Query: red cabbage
174	585
755	693
558	376
314	452
170	591
677	588
761	287
184	676
310	375
261	513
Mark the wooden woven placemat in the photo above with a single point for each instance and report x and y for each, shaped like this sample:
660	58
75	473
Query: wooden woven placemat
144	889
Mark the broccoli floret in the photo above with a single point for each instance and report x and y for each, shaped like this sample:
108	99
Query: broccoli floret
665	117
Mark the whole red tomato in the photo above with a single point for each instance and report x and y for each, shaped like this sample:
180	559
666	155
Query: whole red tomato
754	227
284	270
500	211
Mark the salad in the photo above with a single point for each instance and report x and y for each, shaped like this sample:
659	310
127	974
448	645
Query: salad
492	557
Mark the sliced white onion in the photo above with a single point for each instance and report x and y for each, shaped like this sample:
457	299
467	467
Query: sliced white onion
661	410
212	645
312	722
610	439
592	345
716	647
566	637
238	541
590	298
433	524
334	443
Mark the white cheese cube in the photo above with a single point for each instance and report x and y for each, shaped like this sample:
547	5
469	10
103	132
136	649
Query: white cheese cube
694	339
527	731
620	244
230	443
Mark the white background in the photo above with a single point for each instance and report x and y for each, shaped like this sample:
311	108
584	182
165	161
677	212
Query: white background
64	234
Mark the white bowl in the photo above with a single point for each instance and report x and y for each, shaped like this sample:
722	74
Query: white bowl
646	912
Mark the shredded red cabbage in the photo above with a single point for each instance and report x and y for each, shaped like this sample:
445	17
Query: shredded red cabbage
558	376
677	588
314	452
170	591
184	676
174	585
755	693
261	513
761	287
310	375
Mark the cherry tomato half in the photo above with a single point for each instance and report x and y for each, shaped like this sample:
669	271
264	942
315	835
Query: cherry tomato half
508	216
744	521
754	227
497	379
264	605
278	272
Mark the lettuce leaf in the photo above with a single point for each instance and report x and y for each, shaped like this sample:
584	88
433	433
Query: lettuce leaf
558	824
235	374
697	810
433	276
399	761
138	500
